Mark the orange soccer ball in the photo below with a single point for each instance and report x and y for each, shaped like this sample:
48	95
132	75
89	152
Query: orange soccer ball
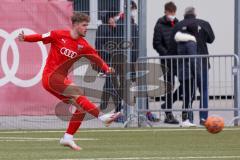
214	124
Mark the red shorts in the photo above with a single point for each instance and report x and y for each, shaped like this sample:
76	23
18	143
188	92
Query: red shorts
56	84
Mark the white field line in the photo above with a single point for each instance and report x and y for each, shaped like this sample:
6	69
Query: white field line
23	139
118	130
154	158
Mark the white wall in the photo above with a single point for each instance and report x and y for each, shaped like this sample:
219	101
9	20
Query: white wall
219	13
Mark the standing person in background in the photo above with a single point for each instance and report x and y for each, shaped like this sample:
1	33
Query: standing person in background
121	24
187	45
203	35
161	39
134	36
120	38
105	35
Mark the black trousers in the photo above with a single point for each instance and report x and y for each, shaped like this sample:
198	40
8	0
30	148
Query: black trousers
108	92
114	85
188	93
169	74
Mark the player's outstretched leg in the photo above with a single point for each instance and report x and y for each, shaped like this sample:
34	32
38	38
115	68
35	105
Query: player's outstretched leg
89	107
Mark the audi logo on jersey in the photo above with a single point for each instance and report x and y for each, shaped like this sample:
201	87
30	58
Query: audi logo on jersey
67	52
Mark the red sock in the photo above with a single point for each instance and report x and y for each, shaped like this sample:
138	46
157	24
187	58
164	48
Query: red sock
88	106
75	122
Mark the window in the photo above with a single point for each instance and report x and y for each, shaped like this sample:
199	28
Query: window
82	5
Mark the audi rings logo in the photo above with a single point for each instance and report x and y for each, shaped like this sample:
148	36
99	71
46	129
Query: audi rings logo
10	72
67	52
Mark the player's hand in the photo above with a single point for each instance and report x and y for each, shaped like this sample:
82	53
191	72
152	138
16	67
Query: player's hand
21	36
111	70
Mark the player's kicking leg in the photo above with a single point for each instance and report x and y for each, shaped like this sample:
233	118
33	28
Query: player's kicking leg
82	103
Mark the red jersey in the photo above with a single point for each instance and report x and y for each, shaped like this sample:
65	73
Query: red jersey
63	49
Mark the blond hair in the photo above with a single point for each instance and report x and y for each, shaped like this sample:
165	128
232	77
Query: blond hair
79	17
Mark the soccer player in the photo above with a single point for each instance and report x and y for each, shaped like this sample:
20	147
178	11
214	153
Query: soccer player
67	46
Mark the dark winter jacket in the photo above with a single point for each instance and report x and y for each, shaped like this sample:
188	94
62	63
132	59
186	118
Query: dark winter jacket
162	35
203	36
104	36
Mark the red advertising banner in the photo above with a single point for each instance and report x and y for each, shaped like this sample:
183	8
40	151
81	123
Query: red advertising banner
21	64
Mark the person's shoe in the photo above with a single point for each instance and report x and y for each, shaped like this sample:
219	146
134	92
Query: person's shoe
152	117
170	119
70	143
202	122
187	124
107	119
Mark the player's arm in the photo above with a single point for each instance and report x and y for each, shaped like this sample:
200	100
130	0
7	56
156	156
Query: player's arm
45	38
93	56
